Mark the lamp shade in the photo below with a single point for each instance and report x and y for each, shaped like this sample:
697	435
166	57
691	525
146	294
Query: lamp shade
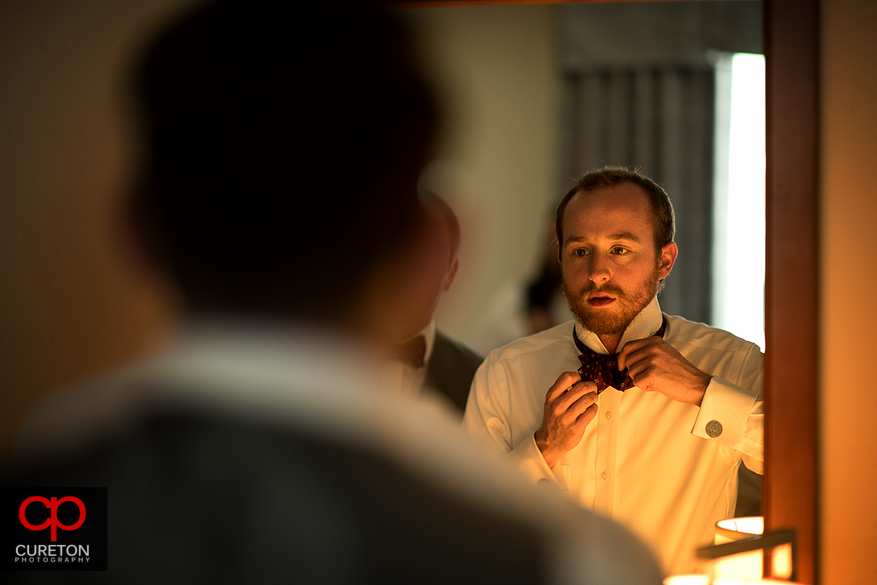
687	580
748	566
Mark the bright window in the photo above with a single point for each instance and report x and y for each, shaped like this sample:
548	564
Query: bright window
738	262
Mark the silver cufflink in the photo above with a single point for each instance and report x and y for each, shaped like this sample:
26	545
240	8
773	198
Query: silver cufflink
714	429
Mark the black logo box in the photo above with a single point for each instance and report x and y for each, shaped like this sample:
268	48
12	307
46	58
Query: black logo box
16	538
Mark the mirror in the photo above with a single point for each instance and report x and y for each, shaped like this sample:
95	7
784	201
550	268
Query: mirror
790	28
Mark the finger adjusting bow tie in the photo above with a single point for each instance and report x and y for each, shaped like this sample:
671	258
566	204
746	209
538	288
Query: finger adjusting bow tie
603	368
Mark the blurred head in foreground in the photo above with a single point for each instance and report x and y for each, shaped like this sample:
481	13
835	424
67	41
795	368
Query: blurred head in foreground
282	149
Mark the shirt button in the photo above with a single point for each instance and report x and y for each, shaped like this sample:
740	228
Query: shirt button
714	429
604	475
608	416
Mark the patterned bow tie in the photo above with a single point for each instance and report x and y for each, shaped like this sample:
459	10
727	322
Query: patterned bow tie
603	368
412	352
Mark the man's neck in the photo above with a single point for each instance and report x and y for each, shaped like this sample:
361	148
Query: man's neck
610	342
644	324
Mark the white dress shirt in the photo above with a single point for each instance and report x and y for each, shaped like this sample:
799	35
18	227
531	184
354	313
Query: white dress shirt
645	460
407	379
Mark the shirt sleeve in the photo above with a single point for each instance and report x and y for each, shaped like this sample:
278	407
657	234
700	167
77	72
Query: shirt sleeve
487	418
528	458
733	415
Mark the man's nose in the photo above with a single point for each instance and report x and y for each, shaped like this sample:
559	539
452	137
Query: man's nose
599	269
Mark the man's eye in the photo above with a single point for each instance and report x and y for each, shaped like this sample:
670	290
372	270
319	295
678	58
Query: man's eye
580	252
619	251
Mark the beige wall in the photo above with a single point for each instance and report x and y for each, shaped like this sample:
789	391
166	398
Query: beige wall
495	69
849	292
71	300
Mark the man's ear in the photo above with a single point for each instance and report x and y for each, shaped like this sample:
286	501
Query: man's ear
667	259
452	272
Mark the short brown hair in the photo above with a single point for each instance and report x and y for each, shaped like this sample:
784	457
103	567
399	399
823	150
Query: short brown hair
241	168
663	218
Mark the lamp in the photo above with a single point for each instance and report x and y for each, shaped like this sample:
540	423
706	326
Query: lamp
740	546
687	580
705	580
744	565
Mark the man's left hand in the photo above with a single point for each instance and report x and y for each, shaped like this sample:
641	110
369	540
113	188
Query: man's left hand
655	366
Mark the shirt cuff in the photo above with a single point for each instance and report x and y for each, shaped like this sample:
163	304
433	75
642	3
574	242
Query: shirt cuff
723	413
528	458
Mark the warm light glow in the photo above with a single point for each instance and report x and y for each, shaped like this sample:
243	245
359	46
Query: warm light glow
687	580
729	530
748	582
705	580
781	561
744	566
748	567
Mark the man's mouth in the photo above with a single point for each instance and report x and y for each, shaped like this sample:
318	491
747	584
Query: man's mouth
600	299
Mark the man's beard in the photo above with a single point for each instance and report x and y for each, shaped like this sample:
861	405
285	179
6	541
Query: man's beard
610	322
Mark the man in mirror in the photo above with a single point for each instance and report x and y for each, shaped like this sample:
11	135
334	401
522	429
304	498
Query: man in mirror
642	416
429	363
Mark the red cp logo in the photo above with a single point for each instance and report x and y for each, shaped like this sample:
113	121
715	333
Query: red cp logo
52	506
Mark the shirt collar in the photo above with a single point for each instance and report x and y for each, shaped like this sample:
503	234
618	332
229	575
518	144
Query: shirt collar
643	325
428	333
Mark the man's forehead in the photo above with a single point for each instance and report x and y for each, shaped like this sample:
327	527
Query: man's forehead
617	236
612	210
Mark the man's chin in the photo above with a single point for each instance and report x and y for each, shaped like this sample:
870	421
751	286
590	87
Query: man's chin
601	324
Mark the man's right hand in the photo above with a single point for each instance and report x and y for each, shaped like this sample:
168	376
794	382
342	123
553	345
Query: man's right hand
569	406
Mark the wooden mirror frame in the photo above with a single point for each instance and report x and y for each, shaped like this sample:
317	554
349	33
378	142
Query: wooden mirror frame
791	33
792	266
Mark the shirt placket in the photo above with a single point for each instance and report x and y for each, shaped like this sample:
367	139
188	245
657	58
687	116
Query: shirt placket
607	447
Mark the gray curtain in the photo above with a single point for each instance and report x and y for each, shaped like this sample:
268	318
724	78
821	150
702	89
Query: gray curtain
658	119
